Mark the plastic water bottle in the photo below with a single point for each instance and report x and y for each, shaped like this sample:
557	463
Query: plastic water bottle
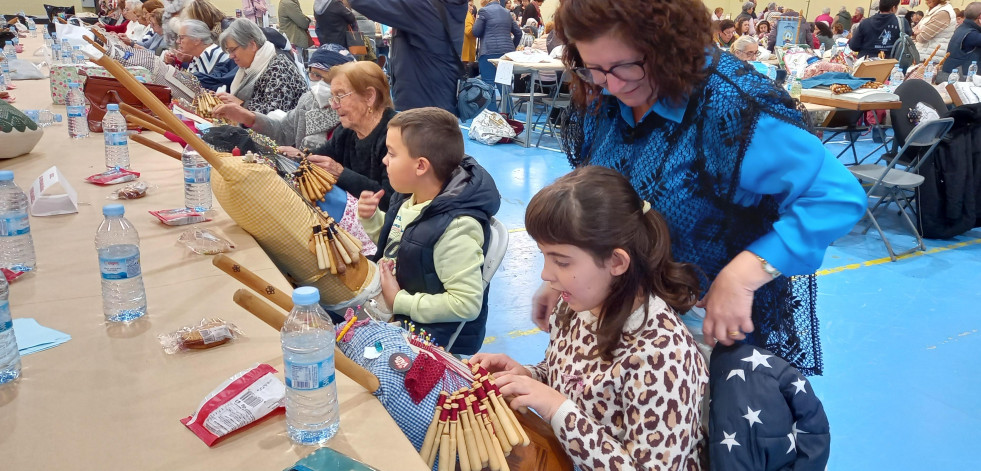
197	180
66	52
896	77
312	414
118	245
795	89
43	118
9	353
972	71
3	80
32	27
821	51
930	72
78	126
771	72
77	56
56	56
9	51
16	244
954	76
116	136
5	66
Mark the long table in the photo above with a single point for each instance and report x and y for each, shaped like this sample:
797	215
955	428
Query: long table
110	398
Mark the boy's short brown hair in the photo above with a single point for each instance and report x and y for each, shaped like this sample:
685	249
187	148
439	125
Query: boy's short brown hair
433	133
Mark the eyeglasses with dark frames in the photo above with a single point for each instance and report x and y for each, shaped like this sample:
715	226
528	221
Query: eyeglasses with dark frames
628	72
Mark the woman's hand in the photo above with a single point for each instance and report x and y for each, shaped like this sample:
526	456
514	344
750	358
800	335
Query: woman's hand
497	363
526	392
168	58
729	301
234	112
326	163
125	39
291	152
542	304
390	286
228	98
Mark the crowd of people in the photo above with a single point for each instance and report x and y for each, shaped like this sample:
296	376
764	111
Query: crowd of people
645	278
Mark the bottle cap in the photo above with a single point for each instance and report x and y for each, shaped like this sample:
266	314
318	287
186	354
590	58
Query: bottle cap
113	210
72	84
56	117
6	175
10	43
305	295
112	107
812	59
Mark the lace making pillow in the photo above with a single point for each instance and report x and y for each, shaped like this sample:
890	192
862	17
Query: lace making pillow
18	133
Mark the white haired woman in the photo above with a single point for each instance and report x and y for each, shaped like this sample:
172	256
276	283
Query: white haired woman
211	65
265	81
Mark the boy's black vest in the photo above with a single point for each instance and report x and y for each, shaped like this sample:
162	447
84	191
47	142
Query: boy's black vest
470	191
958	56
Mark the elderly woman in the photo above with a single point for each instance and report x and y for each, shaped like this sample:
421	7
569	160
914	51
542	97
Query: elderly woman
693	133
265	80
212	66
135	29
936	28
307	125
154	39
355	151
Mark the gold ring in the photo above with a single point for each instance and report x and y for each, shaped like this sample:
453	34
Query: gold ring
734	333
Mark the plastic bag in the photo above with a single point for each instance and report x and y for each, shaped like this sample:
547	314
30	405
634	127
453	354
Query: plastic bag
113	176
204	242
180	216
489	128
132	191
242	399
206	334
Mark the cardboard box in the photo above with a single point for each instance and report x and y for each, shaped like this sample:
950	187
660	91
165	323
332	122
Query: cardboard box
62	74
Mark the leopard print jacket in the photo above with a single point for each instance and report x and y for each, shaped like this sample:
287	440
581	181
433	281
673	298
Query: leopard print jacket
640	411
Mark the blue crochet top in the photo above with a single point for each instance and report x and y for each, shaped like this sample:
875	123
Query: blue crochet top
723	189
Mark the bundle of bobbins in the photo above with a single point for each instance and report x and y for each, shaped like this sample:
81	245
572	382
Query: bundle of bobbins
473	426
313	181
205	103
335	248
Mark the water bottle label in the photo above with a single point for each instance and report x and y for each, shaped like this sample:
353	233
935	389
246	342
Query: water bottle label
120	268
76	111
14	225
309	376
197	174
115	138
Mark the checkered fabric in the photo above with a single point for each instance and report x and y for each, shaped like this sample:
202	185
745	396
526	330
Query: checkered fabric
259	201
412	418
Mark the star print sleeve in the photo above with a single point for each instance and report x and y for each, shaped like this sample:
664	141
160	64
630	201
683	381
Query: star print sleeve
813	435
660	416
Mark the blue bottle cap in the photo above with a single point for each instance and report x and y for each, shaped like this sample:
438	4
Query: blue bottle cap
113	210
812	59
56	117
112	107
10	43
72	84
6	175
305	295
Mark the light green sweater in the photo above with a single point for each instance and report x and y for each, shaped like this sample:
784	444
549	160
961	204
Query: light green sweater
459	257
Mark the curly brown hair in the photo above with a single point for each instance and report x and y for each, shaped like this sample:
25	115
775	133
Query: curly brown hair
675	63
597	210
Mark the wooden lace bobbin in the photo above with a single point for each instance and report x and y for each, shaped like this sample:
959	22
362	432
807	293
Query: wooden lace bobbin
470	440
315	243
495	419
431	433
338	245
487	456
336	259
460	439
350	242
503	409
447	455
497	446
444	419
454	440
350	248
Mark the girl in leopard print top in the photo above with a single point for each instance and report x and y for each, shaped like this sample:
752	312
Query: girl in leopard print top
622	381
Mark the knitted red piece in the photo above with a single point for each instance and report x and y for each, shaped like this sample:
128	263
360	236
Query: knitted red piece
423	376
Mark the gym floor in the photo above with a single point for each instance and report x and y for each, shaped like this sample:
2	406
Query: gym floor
899	387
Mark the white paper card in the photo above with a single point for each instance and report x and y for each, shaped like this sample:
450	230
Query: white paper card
51	194
505	72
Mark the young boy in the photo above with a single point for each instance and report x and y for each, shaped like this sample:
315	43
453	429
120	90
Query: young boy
436	229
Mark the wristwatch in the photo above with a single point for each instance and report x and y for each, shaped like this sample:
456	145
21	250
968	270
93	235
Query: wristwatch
768	268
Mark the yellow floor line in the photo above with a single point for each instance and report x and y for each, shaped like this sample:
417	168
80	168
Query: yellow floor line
520	229
880	261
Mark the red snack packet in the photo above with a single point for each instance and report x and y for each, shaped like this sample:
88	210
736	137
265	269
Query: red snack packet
113	176
242	399
180	216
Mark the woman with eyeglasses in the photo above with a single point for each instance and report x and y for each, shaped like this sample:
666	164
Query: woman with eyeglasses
749	194
307	125
265	81
211	65
354	153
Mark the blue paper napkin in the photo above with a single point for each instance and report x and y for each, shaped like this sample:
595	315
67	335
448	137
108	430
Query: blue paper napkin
33	337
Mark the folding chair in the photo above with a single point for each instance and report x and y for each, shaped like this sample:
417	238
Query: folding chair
895	181
556	101
497	246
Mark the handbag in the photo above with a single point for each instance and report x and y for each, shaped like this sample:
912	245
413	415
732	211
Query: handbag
101	91
355	42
